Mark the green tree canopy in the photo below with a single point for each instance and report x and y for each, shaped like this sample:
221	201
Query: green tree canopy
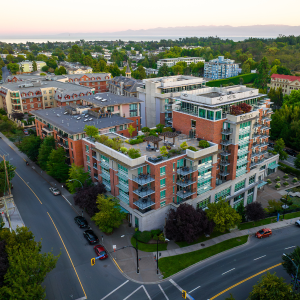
30	146
60	71
44	152
78	178
3	178
56	165
288	265
263	74
279	148
91	130
163	71
109	216
75	54
14	68
223	215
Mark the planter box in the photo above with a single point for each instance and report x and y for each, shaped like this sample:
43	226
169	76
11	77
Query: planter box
285	185
295	183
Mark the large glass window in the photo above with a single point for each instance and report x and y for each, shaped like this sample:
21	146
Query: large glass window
210	115
203	204
162	171
163	182
162	194
252	179
218	115
202	113
240	185
223	194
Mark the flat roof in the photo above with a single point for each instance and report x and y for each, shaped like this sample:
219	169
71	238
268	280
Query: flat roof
110	99
69	123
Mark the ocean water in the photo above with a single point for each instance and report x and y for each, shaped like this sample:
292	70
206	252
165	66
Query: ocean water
104	38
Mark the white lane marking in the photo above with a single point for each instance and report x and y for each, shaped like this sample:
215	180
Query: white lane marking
163	292
259	257
228	271
146	292
82	298
114	290
179	288
133	292
289	247
67	200
194	289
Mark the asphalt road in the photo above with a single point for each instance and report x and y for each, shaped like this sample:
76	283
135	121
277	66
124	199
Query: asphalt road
50	218
5	73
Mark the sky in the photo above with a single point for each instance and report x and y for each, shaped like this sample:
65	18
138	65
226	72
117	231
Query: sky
76	16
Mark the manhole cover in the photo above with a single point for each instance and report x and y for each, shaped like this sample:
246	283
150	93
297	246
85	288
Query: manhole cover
202	245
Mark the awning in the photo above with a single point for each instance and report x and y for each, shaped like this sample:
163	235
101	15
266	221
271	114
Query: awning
261	184
273	166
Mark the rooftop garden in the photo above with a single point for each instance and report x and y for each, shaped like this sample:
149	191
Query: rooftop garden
243	108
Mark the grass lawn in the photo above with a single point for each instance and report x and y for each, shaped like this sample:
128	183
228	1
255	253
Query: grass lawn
268	221
149	247
173	264
201	239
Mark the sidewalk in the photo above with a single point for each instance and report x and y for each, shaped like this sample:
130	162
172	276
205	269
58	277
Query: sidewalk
227	236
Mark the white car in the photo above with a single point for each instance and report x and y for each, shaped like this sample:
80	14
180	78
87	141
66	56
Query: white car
297	223
55	191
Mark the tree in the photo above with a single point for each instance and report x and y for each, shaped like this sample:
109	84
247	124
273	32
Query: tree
86	197
75	54
187	223
288	265
230	297
51	63
3	262
30	146
163	71
14	68
263	74
77	175
34	66
241	211
131	130
56	166
44	152
279	148
223	215
271	287
283	70
114	70
140	73
245	68
91	130
60	71
254	211
110	215
18	116
10	169
45	68
25	259
297	161
17	137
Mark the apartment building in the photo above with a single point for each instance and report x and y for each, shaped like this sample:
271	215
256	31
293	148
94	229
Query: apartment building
286	82
27	66
221	68
66	124
127	86
157	96
232	166
170	62
75	68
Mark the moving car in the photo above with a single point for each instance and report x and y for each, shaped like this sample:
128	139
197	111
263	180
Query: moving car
55	191
265	232
291	152
99	250
81	221
90	236
297	223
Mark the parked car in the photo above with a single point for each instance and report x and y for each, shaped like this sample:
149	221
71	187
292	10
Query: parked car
265	232
90	236
99	250
55	191
271	145
81	221
297	223
291	152
26	132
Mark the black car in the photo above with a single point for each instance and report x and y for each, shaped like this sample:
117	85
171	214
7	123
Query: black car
291	152
91	236
81	221
271	145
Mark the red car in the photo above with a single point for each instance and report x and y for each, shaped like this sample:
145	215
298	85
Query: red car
100	251
265	232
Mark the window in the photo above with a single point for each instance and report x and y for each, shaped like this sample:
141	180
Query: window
51	103
121	127
193	123
137	122
50	92
223	194
110	108
203	204
218	115
86	148
173	189
87	158
162	204
162	171
39	105
125	126
71	145
174	178
162	194
32	105
202	113
163	182
251	179
240	185
210	115
45	98
89	168
119	107
250	191
31	100
25	106
250	199
123	169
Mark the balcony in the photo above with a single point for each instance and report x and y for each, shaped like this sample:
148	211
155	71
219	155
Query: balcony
184	182
123	186
143	179
244	141
186	170
204	188
63	136
105	175
95	166
47	129
244	130
104	164
254	154
107	184
225	153
256	135
226	142
241	162
144	203
185	193
256	125
122	174
205	166
241	172
243	151
224	173
123	197
226	131
144	191
224	162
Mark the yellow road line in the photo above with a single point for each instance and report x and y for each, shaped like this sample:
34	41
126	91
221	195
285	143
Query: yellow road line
68	254
233	286
29	188
117	265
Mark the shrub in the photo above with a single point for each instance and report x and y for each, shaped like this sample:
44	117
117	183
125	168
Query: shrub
152	133
109	143
285	183
192	148
203	144
235	110
124	149
159	127
236	80
277	179
295	180
145	129
138	140
163	151
286	176
134	153
101	138
184	145
288	169
269	181
143	236
169	129
277	185
155	232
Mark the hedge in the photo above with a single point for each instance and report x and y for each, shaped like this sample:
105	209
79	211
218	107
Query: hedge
288	169
235	80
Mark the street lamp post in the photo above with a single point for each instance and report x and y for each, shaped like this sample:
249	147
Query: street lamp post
76	180
295	281
285	205
166	240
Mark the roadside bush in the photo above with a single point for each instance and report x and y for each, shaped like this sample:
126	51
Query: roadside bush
236	80
289	170
143	236
155	232
203	144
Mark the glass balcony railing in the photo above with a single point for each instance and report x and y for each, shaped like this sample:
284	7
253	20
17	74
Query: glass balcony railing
106	183
144	191
123	186
184	182
186	170
185	193
143	179
204	188
104	164
104	174
240	172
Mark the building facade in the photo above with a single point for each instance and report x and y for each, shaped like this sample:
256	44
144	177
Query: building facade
157	95
221	68
170	62
75	68
125	86
27	66
286	82
232	166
